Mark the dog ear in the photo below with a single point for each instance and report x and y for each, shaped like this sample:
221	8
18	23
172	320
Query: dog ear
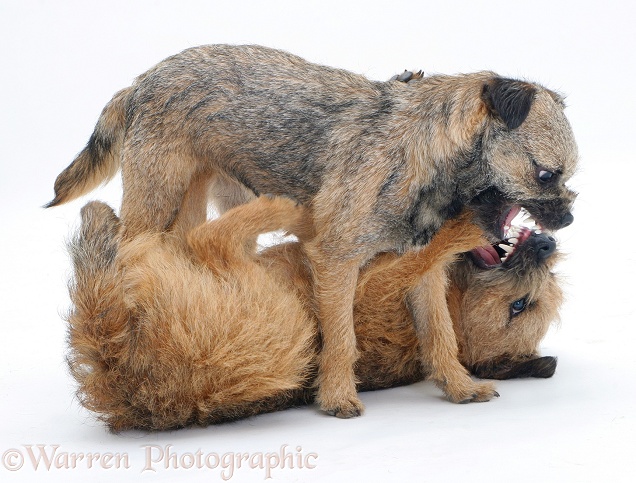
509	99
505	368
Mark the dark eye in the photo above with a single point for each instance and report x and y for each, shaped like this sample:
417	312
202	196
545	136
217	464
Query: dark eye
545	176
517	307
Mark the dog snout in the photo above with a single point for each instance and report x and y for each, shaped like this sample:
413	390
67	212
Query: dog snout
566	220
544	246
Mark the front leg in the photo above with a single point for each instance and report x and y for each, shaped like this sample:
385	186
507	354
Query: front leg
334	287
437	340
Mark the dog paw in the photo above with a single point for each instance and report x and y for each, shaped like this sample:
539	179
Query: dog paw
343	404
461	234
407	76
348	409
470	391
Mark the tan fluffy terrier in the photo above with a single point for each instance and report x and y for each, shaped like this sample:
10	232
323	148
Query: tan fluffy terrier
163	336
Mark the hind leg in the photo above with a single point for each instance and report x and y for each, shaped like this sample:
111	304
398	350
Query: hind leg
227	193
194	207
230	241
335	280
155	188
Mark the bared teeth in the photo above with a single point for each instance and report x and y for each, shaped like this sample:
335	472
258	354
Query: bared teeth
513	240
506	248
522	221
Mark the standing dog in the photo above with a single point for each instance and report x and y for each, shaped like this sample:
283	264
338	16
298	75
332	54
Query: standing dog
163	337
381	165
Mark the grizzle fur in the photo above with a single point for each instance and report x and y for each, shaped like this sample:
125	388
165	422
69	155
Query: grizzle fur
163	337
381	164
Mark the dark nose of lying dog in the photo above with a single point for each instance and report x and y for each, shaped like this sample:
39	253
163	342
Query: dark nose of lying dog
544	246
567	220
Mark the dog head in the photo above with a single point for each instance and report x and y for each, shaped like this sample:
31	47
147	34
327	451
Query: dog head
503	299
529	153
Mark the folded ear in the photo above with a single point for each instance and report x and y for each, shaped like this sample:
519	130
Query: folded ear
509	99
541	367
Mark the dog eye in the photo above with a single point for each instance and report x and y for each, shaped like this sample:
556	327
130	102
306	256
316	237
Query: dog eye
545	176
517	307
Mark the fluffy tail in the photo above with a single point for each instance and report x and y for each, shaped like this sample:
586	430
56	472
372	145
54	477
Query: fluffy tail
100	159
98	325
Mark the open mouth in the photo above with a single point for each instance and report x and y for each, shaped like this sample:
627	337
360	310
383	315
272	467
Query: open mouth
517	226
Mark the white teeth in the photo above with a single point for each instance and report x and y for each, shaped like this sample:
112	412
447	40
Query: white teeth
538	231
528	221
506	248
514	241
504	258
523	221
512	233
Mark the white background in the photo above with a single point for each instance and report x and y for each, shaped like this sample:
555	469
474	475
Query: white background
62	61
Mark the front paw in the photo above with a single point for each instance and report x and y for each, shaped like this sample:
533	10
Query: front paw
346	409
467	390
344	406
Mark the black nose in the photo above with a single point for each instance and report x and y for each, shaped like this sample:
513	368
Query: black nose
567	220
544	246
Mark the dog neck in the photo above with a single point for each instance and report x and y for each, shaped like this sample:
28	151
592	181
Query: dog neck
441	128
445	195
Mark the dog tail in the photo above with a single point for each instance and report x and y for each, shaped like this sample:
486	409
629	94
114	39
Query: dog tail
98	162
98	322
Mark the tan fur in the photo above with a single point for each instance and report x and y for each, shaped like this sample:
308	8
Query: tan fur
382	165
164	336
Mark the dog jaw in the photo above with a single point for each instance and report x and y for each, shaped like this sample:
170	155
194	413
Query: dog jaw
521	234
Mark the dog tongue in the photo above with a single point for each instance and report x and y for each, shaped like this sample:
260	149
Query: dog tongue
488	255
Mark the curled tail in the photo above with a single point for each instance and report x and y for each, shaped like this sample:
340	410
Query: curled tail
100	159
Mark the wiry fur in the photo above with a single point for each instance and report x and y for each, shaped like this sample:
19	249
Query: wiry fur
163	336
382	165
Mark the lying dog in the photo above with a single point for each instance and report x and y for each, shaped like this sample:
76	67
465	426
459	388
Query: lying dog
381	165
164	337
